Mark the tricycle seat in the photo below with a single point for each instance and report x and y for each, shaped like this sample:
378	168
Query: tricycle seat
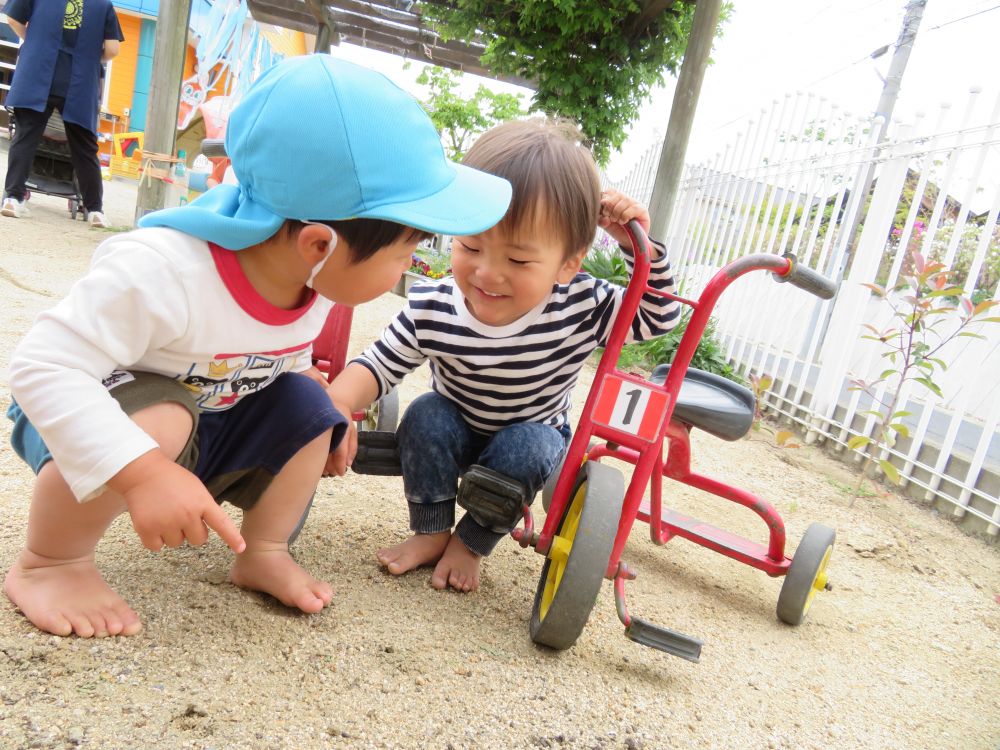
712	403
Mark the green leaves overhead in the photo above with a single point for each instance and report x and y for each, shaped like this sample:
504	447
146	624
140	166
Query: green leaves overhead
461	119
593	62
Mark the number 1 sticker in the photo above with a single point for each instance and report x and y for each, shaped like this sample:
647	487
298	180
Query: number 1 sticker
631	408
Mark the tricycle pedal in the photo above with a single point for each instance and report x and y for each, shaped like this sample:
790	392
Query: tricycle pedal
378	454
494	500
664	639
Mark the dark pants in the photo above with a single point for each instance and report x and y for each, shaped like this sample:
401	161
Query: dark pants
29	127
436	446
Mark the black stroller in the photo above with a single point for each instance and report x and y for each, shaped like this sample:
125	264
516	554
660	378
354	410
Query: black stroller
52	170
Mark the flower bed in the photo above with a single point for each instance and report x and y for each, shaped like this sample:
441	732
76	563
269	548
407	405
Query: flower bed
428	263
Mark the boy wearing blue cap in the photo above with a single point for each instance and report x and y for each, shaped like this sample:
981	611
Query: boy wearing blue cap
173	375
506	339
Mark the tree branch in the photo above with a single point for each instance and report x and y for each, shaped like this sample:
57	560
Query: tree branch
651	10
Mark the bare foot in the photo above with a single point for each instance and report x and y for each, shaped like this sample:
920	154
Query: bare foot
273	571
458	568
419	549
68	596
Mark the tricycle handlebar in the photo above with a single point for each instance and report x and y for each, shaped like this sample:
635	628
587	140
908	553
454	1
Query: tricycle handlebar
214	147
806	278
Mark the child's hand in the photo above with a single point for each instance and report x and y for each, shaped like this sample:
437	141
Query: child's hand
616	209
168	505
314	373
341	458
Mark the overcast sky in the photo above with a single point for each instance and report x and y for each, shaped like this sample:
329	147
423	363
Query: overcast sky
772	47
769	48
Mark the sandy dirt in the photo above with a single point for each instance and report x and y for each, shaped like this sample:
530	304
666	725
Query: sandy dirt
902	653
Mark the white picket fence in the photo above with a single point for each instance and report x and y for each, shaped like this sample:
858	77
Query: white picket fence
792	182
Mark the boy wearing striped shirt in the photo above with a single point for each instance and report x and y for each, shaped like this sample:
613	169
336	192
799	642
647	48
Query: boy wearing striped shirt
506	337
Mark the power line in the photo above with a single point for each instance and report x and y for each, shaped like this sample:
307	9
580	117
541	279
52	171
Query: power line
838	71
956	20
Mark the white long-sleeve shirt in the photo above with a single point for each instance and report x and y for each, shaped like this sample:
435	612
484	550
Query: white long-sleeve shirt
521	372
159	301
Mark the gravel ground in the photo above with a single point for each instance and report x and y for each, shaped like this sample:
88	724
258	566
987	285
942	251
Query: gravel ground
903	653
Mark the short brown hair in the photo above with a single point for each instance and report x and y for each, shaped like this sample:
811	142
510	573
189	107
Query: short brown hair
553	175
365	237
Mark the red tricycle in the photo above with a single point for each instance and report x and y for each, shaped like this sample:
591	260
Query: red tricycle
590	513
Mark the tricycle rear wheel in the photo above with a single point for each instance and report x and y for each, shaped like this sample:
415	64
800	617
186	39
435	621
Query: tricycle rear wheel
578	558
807	574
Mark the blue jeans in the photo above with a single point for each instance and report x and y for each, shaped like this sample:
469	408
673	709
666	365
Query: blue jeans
436	446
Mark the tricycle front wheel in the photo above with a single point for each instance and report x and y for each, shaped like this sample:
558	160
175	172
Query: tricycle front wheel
807	574
578	558
383	415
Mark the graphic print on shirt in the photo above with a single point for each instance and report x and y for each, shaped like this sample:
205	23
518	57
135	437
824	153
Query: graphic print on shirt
74	14
221	383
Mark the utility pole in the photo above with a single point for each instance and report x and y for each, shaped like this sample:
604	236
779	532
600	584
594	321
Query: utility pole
169	48
682	109
900	56
887	102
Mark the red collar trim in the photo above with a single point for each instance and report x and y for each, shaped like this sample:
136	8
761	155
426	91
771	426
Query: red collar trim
249	298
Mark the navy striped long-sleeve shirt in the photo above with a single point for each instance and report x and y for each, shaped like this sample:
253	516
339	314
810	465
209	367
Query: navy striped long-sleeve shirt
521	372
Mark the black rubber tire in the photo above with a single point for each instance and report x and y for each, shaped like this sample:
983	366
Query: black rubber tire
800	586
601	489
550	484
383	415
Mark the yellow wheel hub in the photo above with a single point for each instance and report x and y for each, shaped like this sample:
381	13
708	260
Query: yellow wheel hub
562	546
819	582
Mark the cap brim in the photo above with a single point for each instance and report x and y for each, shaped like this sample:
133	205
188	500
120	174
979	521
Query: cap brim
471	203
219	216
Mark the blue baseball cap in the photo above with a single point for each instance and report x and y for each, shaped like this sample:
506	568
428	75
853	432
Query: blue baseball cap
320	138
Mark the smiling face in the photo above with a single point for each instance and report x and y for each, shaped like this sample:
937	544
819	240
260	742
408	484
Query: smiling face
503	278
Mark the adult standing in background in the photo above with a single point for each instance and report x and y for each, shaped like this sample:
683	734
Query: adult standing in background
59	67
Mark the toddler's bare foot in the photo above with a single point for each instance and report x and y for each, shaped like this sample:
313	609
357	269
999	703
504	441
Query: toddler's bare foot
458	568
272	570
68	596
419	549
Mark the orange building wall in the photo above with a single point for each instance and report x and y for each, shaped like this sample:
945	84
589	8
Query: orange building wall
122	82
123	66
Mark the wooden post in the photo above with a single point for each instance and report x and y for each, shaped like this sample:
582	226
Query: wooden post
668	173
169	48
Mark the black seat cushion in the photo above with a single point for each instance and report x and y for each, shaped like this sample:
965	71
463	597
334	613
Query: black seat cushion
712	403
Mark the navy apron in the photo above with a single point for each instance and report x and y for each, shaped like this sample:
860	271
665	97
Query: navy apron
36	61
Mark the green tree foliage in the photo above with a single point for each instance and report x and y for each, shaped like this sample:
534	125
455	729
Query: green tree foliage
460	119
593	62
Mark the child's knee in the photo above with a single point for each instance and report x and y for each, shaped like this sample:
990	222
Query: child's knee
527	451
430	418
169	423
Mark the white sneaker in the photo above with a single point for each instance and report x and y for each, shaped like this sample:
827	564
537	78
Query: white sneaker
14	208
97	219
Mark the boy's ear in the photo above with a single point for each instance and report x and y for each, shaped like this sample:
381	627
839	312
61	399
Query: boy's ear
312	243
571	266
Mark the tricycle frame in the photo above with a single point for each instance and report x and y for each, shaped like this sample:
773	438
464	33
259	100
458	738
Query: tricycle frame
647	454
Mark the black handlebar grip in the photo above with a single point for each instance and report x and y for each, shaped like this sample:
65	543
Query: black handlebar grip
214	148
806	278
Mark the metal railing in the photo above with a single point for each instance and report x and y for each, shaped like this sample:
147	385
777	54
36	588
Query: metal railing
791	183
